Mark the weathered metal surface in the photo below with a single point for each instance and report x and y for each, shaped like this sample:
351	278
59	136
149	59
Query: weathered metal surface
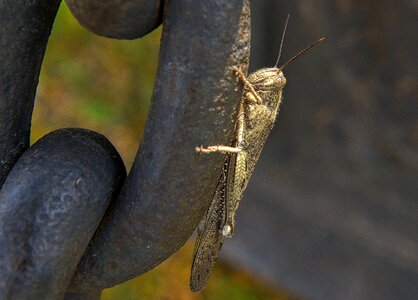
24	30
50	206
169	187
121	19
94	295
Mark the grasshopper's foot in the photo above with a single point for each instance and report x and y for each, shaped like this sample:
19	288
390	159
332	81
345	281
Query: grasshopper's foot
239	74
217	148
252	96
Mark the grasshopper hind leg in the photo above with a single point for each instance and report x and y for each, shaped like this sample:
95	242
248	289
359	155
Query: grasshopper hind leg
217	148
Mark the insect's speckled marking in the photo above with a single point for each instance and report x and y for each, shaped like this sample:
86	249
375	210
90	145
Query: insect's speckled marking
258	109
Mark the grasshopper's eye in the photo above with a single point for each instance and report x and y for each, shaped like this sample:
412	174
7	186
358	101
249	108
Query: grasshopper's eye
273	82
269	82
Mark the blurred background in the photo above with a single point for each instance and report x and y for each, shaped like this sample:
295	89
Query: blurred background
331	211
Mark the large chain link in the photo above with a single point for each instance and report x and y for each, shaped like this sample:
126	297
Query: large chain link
70	220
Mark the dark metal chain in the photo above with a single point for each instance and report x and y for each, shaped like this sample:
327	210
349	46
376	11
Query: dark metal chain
71	222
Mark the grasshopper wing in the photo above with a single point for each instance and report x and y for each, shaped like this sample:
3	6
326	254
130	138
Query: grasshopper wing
209	235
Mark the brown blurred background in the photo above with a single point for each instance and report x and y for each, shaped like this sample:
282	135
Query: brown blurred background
331	211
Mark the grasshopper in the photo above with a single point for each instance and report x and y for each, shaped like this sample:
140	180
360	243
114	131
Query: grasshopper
258	110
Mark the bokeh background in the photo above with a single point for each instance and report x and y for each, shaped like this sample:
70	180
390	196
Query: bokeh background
331	211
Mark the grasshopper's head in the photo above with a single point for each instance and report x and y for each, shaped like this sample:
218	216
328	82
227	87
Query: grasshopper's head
267	79
271	81
268	83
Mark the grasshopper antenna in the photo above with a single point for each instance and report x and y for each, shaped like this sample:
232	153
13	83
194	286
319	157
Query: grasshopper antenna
281	42
302	52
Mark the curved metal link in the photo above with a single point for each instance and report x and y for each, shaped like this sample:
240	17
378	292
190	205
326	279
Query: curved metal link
24	31
50	205
195	101
166	194
121	19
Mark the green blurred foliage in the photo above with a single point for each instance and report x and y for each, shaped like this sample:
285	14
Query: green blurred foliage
170	281
97	83
106	85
